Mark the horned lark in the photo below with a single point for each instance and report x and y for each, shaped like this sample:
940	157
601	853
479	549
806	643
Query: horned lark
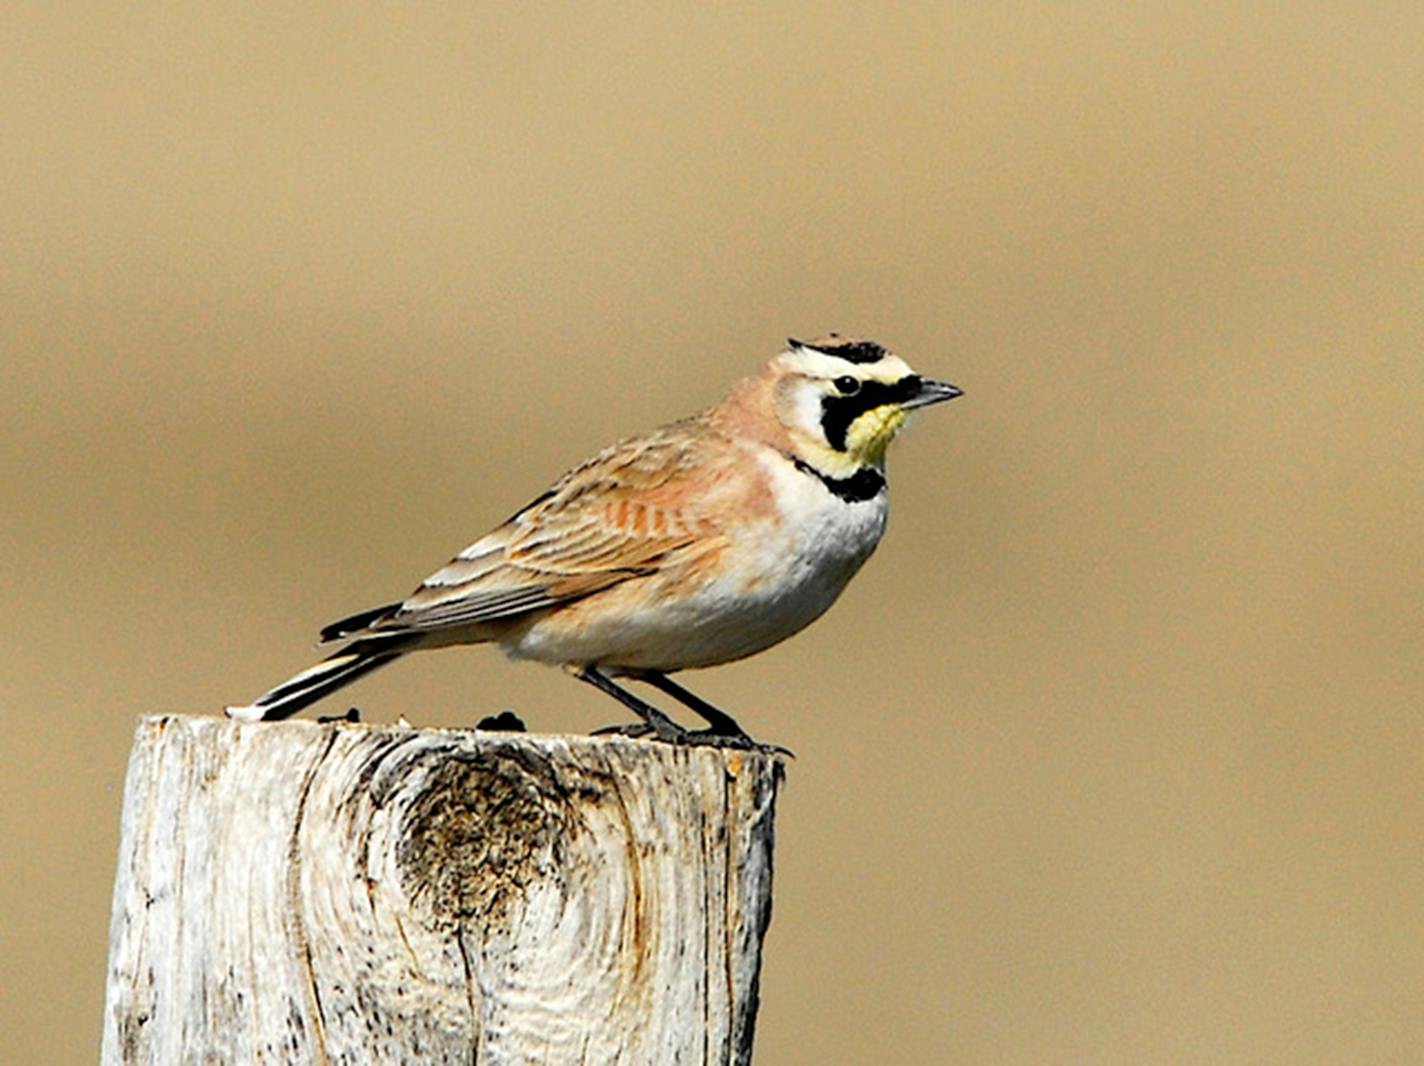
704	541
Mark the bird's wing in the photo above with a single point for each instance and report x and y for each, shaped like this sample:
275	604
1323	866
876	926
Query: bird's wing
625	513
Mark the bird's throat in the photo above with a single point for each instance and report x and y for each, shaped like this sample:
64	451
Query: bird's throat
871	433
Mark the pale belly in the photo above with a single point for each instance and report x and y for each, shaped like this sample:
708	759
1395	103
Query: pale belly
769	586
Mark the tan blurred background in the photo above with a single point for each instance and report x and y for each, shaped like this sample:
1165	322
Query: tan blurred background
1112	754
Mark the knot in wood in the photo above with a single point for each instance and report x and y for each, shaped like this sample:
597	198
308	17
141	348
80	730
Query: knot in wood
484	827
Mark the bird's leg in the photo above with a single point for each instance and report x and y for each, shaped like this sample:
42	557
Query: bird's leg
654	721
719	722
722	729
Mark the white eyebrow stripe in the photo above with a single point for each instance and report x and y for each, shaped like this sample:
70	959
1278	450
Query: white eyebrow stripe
820	365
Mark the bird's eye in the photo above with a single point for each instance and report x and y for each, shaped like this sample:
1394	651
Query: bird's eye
847	385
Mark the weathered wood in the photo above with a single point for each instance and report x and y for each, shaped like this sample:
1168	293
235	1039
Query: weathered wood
299	892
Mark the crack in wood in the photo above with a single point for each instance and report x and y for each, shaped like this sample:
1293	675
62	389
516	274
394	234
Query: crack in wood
295	902
476	1029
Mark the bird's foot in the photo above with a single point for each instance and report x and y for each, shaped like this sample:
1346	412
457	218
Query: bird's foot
655	726
672	733
738	741
628	729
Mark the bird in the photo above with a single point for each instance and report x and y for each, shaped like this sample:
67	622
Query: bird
701	542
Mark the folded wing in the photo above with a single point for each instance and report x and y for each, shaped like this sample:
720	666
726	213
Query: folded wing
626	513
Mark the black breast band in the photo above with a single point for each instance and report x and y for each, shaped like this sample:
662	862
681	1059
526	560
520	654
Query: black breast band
865	484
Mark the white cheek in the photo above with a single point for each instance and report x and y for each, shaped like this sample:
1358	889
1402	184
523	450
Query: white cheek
806	410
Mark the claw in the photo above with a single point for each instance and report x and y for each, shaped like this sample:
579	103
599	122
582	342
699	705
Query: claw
690	738
707	738
631	729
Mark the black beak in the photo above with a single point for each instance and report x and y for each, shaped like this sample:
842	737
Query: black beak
932	391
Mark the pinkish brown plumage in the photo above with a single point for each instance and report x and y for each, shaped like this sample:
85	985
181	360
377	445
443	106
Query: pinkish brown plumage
700	542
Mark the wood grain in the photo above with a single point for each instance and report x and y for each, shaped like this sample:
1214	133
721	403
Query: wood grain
303	892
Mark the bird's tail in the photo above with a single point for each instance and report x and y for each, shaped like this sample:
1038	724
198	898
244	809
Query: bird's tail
332	673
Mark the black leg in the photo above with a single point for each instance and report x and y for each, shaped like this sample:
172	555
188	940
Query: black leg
720	722
722	729
654	721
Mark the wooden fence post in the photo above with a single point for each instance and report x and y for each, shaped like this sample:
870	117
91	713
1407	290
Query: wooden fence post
300	892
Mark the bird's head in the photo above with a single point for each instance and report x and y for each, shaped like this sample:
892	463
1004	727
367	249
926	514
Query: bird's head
842	400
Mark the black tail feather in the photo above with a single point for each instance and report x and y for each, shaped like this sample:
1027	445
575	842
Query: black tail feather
332	673
344	628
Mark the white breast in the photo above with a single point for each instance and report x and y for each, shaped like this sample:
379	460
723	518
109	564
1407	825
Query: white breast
822	542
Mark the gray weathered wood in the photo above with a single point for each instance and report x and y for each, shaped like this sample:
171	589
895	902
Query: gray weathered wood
299	892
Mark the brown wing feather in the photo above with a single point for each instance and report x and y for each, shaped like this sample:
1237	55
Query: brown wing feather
629	511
